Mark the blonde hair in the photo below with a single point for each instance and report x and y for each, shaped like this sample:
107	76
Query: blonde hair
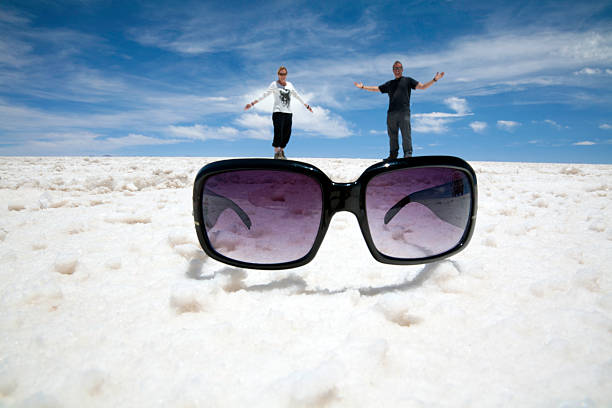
282	67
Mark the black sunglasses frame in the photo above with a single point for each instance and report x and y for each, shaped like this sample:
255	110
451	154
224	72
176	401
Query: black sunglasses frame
336	197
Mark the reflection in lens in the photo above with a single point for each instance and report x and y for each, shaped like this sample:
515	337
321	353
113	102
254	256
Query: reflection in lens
417	213
262	216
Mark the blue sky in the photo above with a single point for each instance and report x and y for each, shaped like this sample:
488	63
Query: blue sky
525	81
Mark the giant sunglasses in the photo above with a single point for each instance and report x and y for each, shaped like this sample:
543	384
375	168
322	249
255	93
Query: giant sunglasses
273	214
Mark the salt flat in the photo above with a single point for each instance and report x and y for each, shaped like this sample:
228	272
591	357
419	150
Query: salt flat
106	298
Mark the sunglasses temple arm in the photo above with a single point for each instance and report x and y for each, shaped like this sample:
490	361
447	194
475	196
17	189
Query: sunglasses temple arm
215	204
431	198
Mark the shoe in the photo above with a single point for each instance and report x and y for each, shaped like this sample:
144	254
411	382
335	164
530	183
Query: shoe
282	155
277	155
406	155
391	157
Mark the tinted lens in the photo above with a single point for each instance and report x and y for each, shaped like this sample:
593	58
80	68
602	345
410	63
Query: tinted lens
417	213
262	216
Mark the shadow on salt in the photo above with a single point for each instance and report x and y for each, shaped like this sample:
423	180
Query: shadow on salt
298	285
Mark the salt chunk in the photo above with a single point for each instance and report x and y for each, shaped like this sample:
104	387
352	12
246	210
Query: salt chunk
597	227
93	381
316	387
113	263
490	242
16	206
231	279
184	299
66	263
572	171
190	251
179	237
588	279
8	384
44	200
541	203
43	290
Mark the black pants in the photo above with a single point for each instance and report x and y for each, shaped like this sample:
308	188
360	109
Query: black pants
282	128
397	121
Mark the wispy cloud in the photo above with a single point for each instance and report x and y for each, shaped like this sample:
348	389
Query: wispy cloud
605	126
81	143
321	123
593	71
507	125
553	123
202	132
195	30
584	143
478	126
459	105
437	122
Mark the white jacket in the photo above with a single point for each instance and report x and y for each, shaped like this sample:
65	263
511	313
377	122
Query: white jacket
282	96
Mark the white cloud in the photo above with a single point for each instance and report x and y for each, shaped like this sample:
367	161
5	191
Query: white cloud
487	64
437	122
256	126
321	122
202	132
593	71
429	123
507	125
605	126
459	105
478	126
553	123
195	30
588	71
82	143
133	140
585	143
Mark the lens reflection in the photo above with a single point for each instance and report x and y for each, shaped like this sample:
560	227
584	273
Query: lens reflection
262	216
417	213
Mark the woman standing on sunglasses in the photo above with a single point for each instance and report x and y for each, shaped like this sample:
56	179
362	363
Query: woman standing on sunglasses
281	113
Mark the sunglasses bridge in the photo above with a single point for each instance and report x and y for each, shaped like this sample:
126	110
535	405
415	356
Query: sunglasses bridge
344	197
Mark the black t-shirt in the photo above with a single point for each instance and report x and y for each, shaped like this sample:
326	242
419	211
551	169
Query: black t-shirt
399	93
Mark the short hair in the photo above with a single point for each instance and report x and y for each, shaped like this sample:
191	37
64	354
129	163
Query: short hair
282	67
397	62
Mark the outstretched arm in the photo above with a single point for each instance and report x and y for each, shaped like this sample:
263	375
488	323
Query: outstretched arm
367	88
268	92
299	98
426	85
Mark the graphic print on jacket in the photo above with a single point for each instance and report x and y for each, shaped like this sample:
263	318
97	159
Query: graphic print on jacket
285	97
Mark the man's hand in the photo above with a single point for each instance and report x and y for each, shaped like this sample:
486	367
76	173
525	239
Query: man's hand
438	76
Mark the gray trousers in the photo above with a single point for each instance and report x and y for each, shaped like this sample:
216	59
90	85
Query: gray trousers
399	121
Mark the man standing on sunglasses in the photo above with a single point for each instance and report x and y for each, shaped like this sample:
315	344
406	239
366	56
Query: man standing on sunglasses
398	115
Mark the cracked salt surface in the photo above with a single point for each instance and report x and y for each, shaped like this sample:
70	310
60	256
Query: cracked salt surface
108	300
